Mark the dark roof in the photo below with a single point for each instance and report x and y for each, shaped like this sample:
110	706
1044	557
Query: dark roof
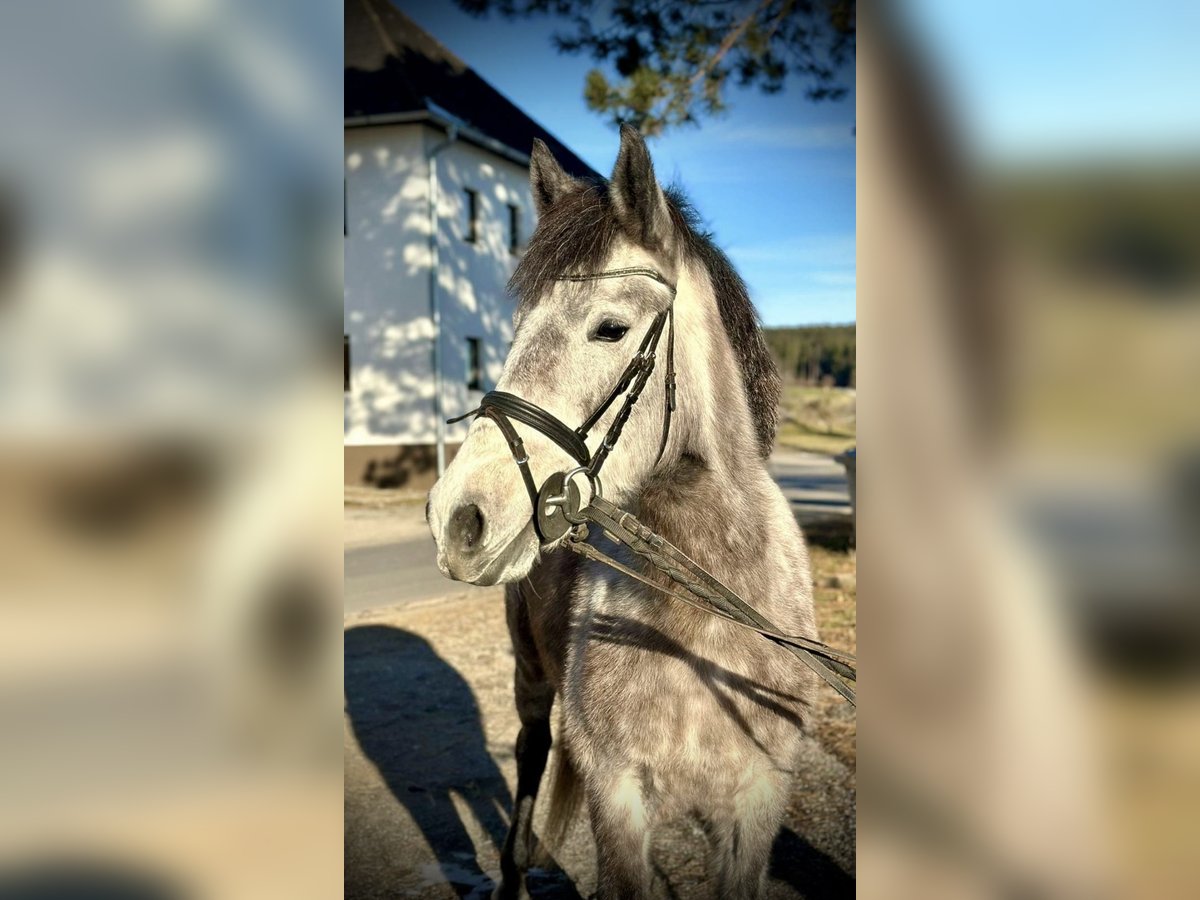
394	67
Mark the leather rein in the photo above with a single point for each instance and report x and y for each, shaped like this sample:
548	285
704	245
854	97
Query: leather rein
558	511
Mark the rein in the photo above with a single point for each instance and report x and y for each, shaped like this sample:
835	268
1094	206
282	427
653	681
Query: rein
558	511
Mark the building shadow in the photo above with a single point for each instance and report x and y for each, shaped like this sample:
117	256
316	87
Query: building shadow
416	720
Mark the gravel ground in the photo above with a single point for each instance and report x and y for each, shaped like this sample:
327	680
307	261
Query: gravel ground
429	767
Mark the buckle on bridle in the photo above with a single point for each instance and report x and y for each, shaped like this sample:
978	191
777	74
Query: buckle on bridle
517	449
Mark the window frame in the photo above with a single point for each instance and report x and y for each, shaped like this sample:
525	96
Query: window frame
474	364
514	229
471	234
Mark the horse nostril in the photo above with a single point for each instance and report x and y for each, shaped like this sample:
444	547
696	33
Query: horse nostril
466	526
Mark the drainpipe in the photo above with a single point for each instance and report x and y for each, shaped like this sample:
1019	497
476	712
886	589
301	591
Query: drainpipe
435	307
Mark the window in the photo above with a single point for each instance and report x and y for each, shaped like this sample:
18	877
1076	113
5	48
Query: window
345	363
472	215
474	364
514	229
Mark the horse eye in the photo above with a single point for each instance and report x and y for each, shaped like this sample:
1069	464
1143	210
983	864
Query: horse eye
610	331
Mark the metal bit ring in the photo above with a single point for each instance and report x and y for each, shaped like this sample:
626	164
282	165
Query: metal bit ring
573	515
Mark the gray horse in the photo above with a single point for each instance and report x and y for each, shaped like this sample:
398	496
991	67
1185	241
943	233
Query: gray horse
665	711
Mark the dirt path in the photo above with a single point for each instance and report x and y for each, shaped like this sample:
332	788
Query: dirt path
429	771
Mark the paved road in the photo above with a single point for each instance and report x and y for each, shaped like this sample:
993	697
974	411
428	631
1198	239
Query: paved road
815	484
395	573
390	556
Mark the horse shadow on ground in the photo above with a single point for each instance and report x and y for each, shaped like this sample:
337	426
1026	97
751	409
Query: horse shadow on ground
416	719
800	865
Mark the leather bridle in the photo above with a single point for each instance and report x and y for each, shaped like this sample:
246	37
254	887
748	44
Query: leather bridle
502	408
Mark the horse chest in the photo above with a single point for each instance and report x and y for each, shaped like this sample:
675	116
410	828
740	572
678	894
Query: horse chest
640	690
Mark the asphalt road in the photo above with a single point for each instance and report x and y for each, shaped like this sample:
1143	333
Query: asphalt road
390	559
814	483
395	573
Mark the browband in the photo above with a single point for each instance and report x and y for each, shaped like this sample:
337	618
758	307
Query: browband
622	273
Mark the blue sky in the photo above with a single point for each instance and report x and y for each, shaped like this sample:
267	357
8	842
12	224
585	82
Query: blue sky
1071	80
773	178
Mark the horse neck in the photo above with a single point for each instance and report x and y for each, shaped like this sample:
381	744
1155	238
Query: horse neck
703	495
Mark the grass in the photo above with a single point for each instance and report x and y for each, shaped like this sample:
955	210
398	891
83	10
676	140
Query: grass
817	419
835	595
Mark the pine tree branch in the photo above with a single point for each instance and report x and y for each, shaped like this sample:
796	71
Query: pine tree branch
727	44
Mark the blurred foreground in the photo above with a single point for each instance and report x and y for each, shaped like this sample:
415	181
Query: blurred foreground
170	178
1028	333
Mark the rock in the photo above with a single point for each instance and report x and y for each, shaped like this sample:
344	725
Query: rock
843	581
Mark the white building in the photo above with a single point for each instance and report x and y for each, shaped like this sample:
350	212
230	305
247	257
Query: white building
421	126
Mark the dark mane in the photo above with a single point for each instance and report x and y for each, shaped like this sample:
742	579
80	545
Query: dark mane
576	234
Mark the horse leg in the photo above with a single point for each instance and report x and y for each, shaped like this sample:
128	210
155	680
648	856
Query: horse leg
535	698
742	839
621	827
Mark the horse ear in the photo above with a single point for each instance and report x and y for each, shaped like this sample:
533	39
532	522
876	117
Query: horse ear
546	177
637	199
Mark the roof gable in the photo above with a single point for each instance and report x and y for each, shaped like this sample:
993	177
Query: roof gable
394	67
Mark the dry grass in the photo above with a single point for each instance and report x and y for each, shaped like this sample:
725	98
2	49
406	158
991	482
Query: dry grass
835	595
818	419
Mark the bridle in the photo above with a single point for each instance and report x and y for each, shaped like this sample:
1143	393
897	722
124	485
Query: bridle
502	407
559	512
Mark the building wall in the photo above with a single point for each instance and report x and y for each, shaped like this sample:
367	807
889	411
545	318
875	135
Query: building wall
386	286
474	277
387	308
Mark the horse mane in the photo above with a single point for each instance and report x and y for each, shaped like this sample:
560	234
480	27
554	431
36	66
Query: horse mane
576	234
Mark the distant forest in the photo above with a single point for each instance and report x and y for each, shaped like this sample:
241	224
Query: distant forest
819	354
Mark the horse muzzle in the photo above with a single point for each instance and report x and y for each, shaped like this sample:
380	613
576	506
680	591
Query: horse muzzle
481	541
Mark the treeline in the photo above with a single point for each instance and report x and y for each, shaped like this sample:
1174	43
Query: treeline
818	354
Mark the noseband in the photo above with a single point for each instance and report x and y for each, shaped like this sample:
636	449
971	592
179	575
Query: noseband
502	407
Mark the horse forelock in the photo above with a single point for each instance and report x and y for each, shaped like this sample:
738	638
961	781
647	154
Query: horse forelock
577	235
